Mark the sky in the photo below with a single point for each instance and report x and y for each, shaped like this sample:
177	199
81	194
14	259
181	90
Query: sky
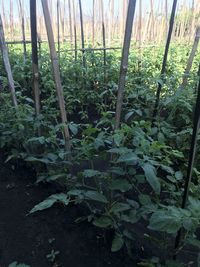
87	5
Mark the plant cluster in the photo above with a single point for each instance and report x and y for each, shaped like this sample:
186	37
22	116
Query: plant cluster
128	178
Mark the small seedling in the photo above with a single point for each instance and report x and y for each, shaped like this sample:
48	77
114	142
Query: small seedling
52	255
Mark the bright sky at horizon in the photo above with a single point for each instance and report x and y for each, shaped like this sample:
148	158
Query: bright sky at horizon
87	5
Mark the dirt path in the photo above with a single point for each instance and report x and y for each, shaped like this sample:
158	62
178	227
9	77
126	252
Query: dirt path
29	239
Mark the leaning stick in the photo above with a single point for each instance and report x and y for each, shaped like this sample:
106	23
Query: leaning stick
6	61
191	58
56	72
124	61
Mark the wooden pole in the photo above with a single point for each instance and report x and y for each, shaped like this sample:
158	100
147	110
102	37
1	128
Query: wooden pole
7	63
124	61
103	39
70	22
56	73
11	20
110	25
36	90
191	58
82	33
58	26
171	24
75	34
21	8
93	21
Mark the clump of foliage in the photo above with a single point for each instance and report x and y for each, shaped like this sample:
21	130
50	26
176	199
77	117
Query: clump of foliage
128	178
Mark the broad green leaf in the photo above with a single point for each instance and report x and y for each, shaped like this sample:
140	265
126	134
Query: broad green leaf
119	207
179	175
47	203
91	173
117	170
103	222
73	128
117	243
169	221
128	115
118	137
128	158
121	185
42	160
150	174
94	195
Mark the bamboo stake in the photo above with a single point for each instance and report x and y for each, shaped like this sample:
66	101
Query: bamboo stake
75	34
36	90
93	21
124	61
56	73
21	8
171	24
103	39
110	25
192	154
58	26
4	15
11	20
140	31
7	63
191	58
82	33
166	16
70	22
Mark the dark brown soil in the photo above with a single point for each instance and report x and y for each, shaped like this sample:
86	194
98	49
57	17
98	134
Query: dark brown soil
29	239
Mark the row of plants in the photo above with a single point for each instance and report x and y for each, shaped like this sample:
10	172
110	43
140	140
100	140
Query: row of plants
130	180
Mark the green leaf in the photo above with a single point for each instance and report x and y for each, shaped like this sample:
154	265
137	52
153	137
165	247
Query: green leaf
128	158
91	173
94	195
42	160
103	222
47	203
119	207
121	185
144	199
128	115
169	221
179	175
73	128
117	243
150	174
118	137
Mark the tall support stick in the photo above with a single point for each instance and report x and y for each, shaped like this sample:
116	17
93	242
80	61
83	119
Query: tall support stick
103	39
70	22
191	161
21	8
171	24
7	64
93	21
152	33
110	25
82	33
58	25
166	16
124	61
75	34
56	72
140	29
11	20
191	58
36	90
